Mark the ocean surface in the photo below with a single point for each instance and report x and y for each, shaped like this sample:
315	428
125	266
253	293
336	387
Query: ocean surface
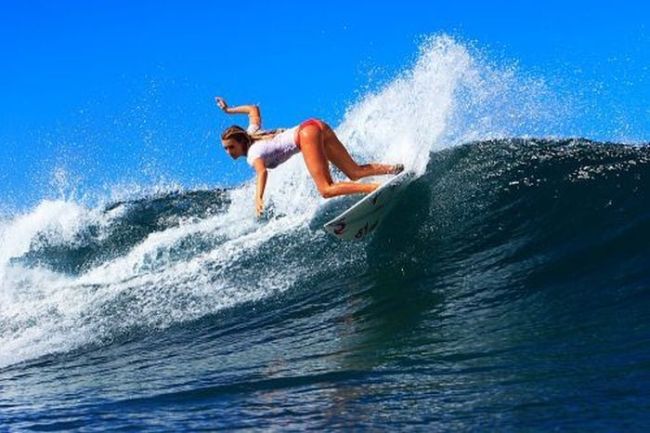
509	290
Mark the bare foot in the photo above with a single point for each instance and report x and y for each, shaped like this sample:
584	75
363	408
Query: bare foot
397	169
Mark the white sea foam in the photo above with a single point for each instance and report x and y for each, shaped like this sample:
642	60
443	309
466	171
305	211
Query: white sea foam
450	96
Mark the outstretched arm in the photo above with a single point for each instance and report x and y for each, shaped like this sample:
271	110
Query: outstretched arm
262	174
253	111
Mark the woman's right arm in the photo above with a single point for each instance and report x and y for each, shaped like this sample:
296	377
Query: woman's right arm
253	111
262	174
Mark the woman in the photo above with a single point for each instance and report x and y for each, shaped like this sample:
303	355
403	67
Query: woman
313	138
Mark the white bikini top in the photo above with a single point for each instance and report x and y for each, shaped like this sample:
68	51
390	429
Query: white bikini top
273	151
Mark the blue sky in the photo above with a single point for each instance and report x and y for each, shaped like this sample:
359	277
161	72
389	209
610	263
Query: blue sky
118	92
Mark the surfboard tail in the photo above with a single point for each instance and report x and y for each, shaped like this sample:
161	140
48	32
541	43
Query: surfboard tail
366	215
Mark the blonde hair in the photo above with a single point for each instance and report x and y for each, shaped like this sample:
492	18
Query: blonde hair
240	135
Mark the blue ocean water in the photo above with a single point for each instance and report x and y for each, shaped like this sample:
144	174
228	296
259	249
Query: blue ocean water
509	291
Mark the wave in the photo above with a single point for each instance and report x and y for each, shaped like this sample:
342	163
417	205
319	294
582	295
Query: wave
483	206
519	211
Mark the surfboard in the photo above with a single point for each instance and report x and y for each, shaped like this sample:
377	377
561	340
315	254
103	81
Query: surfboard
363	217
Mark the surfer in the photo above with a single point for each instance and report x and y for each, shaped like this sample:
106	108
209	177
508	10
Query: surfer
313	138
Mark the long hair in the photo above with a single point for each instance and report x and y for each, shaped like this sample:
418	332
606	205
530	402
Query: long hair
240	135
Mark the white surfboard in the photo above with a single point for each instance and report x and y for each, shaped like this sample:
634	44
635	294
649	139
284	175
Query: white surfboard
361	219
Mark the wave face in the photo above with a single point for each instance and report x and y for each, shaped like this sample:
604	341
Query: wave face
508	290
514	276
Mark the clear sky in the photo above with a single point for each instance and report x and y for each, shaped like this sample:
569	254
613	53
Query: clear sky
117	92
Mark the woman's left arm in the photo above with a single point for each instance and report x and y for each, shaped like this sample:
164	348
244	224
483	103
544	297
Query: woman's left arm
253	111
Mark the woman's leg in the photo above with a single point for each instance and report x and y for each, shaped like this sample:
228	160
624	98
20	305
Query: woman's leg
311	145
339	156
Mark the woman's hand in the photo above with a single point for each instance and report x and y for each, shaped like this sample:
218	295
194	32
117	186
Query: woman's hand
259	206
221	103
